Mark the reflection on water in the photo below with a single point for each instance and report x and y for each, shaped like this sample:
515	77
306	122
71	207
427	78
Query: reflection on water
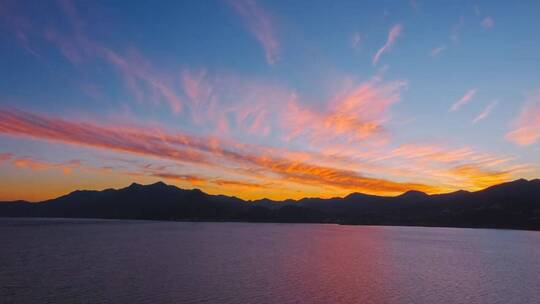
96	261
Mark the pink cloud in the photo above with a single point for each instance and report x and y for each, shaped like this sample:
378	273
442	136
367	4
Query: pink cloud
259	23
354	116
526	127
486	112
5	156
393	34
463	100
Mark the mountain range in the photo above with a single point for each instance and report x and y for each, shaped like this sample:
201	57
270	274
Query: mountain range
514	205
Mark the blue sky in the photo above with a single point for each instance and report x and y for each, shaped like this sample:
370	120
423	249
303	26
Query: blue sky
270	98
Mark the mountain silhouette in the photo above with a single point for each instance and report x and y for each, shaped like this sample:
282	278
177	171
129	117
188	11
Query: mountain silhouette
513	205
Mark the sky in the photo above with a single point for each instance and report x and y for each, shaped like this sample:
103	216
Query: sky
268	99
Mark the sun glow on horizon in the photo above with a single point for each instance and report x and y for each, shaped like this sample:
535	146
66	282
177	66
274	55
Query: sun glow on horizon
255	100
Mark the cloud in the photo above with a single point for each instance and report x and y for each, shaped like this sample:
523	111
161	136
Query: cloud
486	112
356	115
21	27
475	178
526	127
5	156
463	100
487	23
456	29
142	81
438	50
260	24
36	165
393	34
188	149
239	184
135	72
356	40
192	179
124	139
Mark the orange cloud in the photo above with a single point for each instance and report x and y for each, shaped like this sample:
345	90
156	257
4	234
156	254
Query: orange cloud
260	24
239	184
476	178
355	115
192	179
33	164
526	127
184	148
393	34
463	100
327	176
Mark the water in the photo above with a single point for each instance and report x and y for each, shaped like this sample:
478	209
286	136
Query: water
106	261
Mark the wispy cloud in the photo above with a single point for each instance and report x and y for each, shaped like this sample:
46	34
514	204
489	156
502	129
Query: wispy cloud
463	100
140	78
36	164
487	23
353	116
260	24
486	112
356	40
393	34
438	50
526	127
456	29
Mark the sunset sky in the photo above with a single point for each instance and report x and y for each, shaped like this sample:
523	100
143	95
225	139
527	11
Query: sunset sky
276	99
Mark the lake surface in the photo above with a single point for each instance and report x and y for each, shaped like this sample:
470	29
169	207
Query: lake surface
108	261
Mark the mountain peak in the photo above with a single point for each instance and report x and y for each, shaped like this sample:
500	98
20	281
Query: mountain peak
135	185
413	194
158	184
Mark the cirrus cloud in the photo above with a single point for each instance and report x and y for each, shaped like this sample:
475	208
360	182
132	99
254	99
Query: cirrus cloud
393	35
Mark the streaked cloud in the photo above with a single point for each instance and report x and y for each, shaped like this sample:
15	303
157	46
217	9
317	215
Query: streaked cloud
526	127
188	149
393	35
486	112
463	100
260	24
239	184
